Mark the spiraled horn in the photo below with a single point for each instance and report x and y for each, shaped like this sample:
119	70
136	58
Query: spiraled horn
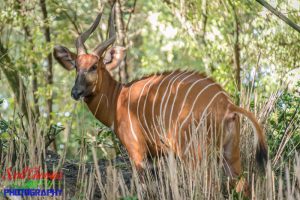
81	49
98	51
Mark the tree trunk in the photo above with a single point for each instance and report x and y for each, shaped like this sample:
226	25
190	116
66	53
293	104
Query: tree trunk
34	76
14	81
123	74
203	20
49	75
236	50
34	81
236	57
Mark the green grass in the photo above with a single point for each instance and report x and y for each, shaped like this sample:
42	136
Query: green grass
23	146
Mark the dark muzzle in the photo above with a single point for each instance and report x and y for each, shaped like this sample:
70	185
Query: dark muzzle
76	93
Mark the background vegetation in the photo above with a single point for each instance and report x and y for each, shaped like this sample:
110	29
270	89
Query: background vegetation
247	49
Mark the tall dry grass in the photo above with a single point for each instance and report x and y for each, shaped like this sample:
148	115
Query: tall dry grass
164	178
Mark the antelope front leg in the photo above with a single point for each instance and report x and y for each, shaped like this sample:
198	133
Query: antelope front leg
138	155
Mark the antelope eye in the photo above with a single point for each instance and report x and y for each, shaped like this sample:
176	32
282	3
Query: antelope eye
93	68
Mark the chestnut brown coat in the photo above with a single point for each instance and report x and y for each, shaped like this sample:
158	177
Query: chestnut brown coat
160	112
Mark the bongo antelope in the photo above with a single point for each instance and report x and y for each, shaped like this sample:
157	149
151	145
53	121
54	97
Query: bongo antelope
154	114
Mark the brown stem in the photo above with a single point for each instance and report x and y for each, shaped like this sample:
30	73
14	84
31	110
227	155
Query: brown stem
129	18
49	76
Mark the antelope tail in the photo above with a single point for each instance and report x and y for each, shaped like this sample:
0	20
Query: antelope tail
261	146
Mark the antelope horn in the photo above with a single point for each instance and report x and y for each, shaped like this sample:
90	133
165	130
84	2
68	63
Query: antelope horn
98	51
81	49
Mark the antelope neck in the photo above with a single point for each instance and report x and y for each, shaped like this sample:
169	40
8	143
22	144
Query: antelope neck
104	101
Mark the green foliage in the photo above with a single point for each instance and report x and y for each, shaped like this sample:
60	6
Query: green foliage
7	134
168	37
284	121
3	126
159	36
129	198
3	130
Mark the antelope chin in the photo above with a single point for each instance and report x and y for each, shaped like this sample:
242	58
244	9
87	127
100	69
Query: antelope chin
76	99
86	98
82	97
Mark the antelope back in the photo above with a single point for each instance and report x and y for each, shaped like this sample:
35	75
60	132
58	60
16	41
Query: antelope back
167	107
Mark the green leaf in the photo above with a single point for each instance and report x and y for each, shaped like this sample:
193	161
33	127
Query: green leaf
3	125
4	136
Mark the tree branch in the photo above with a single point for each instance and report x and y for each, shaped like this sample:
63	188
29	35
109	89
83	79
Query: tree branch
236	48
195	31
73	21
14	80
279	15
131	12
28	35
203	20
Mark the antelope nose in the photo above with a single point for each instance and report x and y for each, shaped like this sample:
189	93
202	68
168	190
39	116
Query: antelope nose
76	94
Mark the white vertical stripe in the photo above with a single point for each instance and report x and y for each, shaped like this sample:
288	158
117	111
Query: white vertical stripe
204	111
169	91
145	102
162	100
202	114
192	108
174	99
154	100
138	104
131	126
184	100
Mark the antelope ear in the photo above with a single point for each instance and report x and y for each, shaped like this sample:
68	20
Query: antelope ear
65	57
113	57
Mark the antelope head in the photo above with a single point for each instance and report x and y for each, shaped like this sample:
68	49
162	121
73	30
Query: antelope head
90	67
